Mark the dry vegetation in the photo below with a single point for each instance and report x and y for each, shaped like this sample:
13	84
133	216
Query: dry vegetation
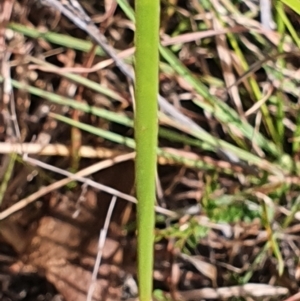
228	186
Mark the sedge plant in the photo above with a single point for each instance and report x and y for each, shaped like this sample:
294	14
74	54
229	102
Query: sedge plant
146	132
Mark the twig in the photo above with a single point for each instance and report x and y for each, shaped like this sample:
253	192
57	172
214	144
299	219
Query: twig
79	176
250	289
56	150
101	242
92	183
44	190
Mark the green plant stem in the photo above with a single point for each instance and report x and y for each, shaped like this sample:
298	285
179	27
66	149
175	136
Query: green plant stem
146	132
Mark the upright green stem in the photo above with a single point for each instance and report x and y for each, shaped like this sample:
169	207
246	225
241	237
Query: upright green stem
146	130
